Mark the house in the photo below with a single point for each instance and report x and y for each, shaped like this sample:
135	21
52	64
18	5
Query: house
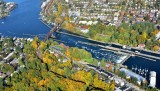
154	20
29	40
45	3
109	66
2	75
119	81
158	36
82	22
126	20
141	46
54	9
139	19
133	20
84	30
6	58
67	1
15	61
89	23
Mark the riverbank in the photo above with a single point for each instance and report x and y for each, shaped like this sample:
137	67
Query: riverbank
6	8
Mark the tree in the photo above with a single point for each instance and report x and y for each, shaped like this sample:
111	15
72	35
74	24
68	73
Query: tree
35	43
134	80
43	46
122	74
59	8
7	68
103	63
100	84
147	17
49	58
68	72
156	48
83	76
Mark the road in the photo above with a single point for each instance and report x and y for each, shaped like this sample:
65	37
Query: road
48	7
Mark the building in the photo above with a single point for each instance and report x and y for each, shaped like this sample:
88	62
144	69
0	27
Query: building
132	74
158	36
152	79
142	46
67	1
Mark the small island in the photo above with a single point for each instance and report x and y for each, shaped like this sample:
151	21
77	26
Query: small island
6	8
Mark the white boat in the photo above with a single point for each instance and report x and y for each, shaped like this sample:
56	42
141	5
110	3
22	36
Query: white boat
137	52
132	55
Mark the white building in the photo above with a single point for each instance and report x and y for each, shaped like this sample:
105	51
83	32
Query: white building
152	79
157	35
67	1
44	3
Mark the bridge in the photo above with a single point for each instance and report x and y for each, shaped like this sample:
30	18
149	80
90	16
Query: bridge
55	28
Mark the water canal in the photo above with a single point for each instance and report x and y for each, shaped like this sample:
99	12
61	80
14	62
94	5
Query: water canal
25	20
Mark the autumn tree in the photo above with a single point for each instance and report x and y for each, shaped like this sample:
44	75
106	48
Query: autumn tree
35	43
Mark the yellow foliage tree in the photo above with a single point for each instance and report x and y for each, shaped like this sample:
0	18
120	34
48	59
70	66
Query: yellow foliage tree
41	82
59	8
70	85
100	84
156	48
144	34
83	76
155	32
35	79
35	43
69	26
112	86
43	45
49	58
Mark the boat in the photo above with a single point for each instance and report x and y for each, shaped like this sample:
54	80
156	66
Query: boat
124	47
132	55
137	52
